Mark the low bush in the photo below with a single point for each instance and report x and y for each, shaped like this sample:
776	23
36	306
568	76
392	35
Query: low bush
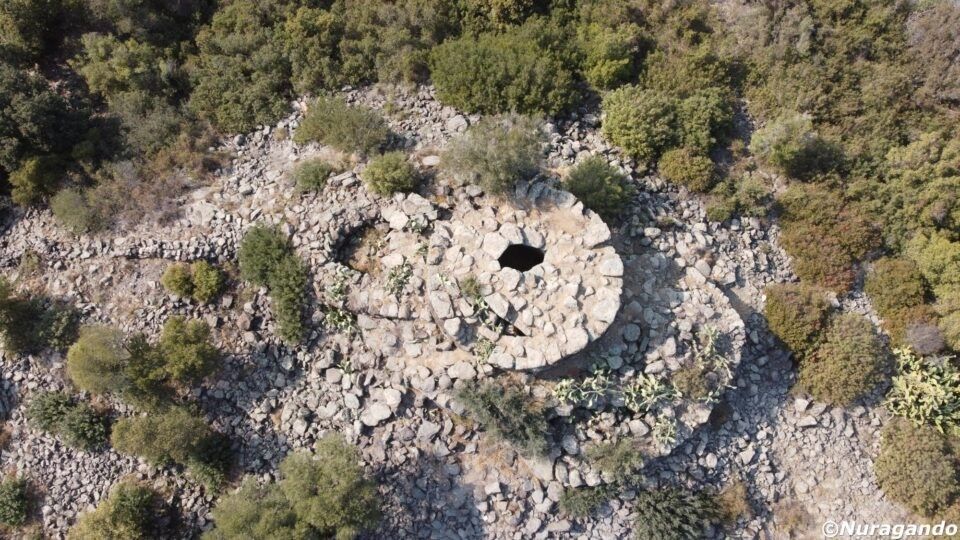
797	314
74	422
733	502
288	293
791	145
312	175
672	513
266	258
351	129
825	235
894	284
83	427
495	154
13	502
602	187
507	413
178	280
175	435
610	54
691	382
390	173
705	119
200	280
642	122
926	392
581	502
130	511
620	461
526	69
324	496
96	361
848	364
916	468
208	281
74	212
687	168
35	180
187	351
937	258
261	250
29	324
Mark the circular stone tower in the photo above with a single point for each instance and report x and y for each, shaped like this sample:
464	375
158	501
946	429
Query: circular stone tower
524	282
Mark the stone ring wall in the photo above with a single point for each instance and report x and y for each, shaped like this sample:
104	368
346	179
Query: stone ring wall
526	318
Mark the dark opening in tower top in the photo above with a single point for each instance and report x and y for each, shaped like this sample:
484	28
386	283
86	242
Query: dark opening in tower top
520	257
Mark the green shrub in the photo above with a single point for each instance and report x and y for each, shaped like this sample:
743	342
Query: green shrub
932	37
691	382
526	69
621	460
74	212
331	121
610	54
581	502
671	513
35	121
13	502
268	259
312	175
29	324
685	167
241	77
129	512
825	235
186	348
327	497
28	28
261	250
848	364
35	180
937	257
926	392
207	280
173	436
916	468
82	427
506	412
331	492
178	280
797	314
495	154
253	511
47	409
95	362
76	423
389	174
894	284
642	122
791	145
288	292
948	306
601	187
705	119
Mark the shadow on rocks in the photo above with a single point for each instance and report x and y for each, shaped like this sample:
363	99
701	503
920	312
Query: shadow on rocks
423	498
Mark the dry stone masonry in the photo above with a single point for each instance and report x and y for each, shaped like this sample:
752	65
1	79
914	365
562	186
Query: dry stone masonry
546	283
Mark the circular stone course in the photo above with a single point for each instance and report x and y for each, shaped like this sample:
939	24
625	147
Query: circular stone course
524	282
